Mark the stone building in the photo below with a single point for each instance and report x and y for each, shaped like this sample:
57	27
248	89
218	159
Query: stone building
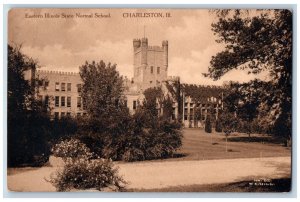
61	90
150	63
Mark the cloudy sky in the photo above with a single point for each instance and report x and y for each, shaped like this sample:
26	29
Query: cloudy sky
64	44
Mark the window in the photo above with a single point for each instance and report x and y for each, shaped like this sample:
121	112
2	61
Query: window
46	84
57	86
78	115
63	101
68	86
185	111
191	105
63	87
173	113
79	88
56	101
78	102
185	117
134	104
46	101
68	101
185	104
151	69
62	114
56	114
150	81
84	114
68	114
158	70
83	105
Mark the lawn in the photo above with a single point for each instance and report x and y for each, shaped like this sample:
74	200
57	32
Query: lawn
199	145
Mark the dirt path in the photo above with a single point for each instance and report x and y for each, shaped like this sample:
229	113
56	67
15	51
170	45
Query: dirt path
149	175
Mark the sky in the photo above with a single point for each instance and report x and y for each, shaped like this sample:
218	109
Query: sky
64	44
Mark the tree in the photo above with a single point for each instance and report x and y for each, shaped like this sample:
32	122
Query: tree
175	88
218	126
229	123
27	119
244	100
260	42
208	127
103	97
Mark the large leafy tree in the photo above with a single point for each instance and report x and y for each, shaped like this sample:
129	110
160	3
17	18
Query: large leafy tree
27	120
260	41
102	94
243	99
108	117
156	105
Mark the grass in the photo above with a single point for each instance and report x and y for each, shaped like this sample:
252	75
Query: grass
275	185
199	145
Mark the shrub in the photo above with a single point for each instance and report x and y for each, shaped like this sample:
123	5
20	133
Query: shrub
71	148
87	174
208	127
133	154
218	126
136	139
80	171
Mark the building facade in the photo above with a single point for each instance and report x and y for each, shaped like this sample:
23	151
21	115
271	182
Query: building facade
61	90
150	63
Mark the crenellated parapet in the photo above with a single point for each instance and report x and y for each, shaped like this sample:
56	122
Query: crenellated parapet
155	48
57	72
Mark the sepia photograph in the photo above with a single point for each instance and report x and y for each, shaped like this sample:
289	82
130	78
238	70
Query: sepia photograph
149	100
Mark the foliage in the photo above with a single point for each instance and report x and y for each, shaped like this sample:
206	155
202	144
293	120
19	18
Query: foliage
175	89
152	102
141	142
87	174
28	122
102	94
63	128
244	99
81	171
70	149
218	125
229	122
208	127
259	42
203	94
111	132
157	104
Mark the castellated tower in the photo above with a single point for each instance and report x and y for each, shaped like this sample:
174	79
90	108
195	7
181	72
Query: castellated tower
150	63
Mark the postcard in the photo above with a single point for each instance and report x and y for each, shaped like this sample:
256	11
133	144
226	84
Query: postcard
149	100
